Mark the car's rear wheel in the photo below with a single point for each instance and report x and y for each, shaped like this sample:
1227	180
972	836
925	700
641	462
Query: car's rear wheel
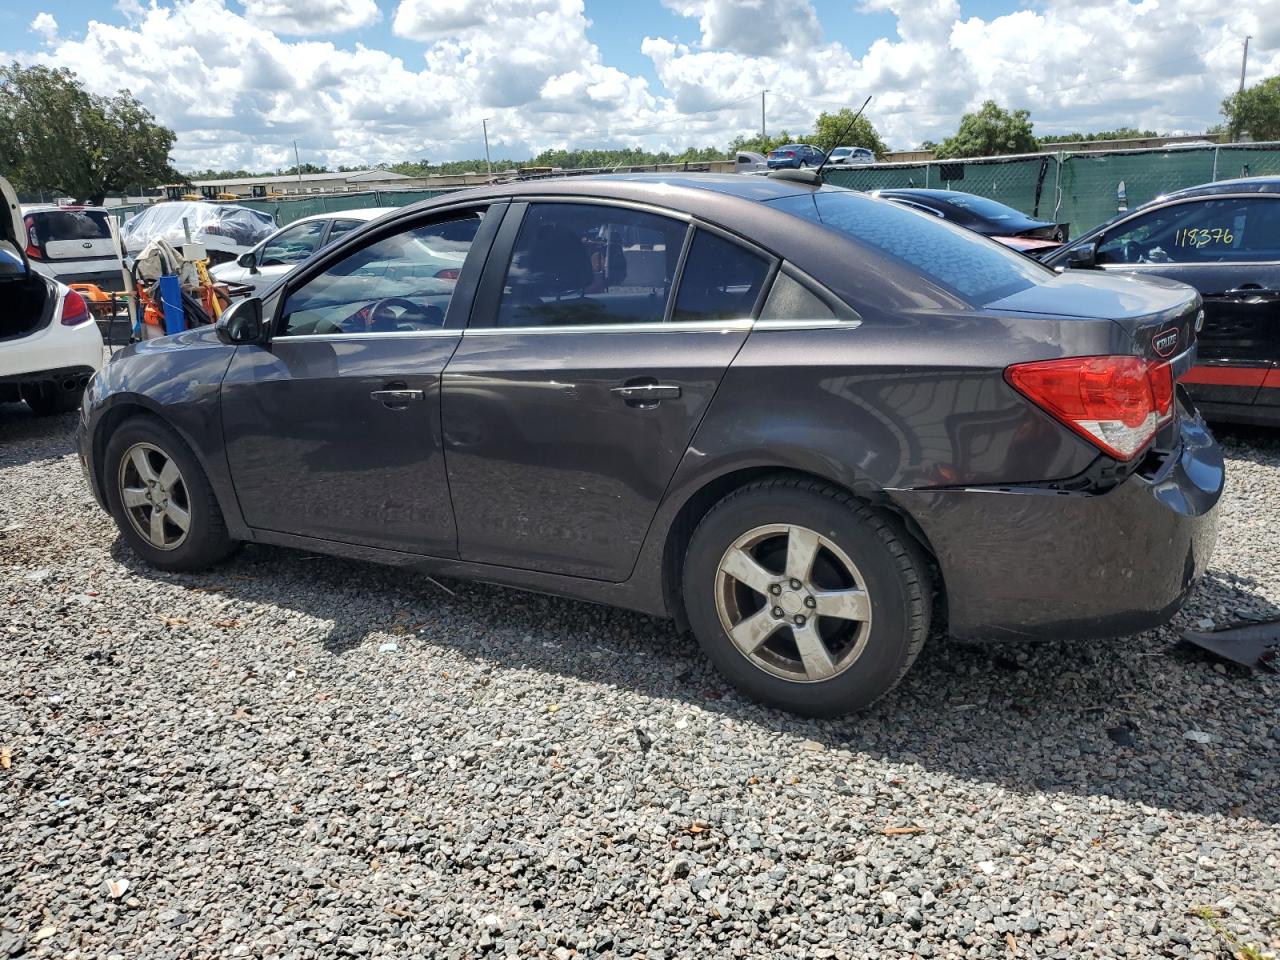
806	598
48	399
161	498
804	164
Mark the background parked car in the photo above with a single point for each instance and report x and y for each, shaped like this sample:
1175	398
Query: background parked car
772	410
289	246
799	155
73	244
983	215
1223	239
49	344
852	156
748	161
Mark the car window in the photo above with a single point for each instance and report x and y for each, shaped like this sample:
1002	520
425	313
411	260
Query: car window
983	207
71	225
401	283
973	267
342	226
721	280
1200	231
791	300
576	264
293	245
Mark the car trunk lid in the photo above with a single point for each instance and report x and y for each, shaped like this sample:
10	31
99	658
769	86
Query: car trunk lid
71	233
13	259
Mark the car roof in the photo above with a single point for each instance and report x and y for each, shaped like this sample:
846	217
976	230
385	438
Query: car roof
922	192
690	191
1265	184
55	208
358	213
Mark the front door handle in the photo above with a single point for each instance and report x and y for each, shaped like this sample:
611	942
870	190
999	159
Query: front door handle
397	398
646	392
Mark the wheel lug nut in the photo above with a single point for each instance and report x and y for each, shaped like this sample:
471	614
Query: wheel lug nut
795	584
799	620
777	612
810	602
775	589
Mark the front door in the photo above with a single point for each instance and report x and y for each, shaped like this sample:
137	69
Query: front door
1228	248
333	430
581	379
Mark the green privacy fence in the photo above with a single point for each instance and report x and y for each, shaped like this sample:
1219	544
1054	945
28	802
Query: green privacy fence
287	211
1082	189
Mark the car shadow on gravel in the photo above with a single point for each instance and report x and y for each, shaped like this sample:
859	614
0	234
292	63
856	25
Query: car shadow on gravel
26	438
1106	719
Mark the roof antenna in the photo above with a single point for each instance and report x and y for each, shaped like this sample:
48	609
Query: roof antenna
815	177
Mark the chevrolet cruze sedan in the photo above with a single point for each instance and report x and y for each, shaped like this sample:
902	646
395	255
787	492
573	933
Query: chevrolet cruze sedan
805	423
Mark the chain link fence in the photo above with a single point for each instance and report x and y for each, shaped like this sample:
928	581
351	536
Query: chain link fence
1080	188
1083	188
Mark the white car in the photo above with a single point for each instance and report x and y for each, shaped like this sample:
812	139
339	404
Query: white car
49	344
291	246
748	161
72	244
852	156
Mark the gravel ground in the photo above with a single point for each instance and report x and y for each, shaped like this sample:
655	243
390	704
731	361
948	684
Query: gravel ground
294	756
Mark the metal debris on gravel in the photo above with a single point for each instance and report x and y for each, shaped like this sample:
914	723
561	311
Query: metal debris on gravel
298	757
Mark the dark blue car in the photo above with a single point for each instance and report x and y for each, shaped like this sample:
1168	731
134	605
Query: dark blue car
797	155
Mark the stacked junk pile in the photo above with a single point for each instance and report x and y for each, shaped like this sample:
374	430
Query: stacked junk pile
167	286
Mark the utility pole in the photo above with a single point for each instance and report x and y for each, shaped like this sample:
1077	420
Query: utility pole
484	125
1244	64
297	164
763	135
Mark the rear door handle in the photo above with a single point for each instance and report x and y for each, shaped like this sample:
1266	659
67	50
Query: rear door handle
647	392
396	398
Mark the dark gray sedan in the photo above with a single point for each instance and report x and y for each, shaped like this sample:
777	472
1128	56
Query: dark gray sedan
808	424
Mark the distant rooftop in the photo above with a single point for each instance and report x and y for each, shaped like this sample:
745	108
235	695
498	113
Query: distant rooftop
348	176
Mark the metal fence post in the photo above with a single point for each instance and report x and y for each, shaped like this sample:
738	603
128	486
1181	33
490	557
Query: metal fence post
1057	185
1215	163
926	174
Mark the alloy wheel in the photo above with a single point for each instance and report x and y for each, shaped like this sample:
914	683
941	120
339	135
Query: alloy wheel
793	603
154	496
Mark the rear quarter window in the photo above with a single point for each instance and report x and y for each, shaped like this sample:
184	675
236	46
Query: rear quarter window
974	268
71	225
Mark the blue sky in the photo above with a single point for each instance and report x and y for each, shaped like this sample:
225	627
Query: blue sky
364	81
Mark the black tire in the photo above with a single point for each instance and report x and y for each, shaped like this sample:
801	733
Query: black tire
50	399
889	561
207	541
804	164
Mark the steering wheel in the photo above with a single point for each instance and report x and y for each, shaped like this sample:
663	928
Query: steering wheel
1132	251
387	314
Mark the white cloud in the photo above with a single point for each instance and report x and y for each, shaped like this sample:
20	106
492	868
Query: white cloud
46	26
310	17
532	68
753	27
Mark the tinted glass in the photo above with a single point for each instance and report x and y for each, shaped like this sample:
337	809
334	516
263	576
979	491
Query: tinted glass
401	283
342	226
721	281
1201	231
983	207
71	225
975	268
576	264
293	245
791	300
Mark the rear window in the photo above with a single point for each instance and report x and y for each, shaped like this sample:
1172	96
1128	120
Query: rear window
976	269
71	225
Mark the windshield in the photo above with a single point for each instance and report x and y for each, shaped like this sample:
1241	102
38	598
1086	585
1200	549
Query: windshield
974	268
841	151
985	208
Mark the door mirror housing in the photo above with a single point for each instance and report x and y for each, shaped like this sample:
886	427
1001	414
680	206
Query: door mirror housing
248	260
1083	257
242	323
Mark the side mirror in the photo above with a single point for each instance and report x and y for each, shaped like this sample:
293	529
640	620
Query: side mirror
248	260
1082	257
242	323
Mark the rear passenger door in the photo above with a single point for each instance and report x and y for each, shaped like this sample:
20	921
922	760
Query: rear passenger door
599	336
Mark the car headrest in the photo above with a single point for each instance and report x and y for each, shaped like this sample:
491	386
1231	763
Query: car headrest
555	262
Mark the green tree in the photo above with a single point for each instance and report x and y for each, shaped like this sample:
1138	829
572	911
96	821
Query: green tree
830	133
55	135
759	144
1124	133
1256	110
991	130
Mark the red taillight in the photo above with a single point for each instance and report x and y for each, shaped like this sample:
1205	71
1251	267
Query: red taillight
33	241
789	153
74	310
1117	403
448	273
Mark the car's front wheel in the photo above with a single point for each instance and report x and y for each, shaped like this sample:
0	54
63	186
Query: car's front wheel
806	598
161	499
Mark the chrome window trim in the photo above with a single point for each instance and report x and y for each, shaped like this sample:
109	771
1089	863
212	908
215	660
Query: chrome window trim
368	335
709	326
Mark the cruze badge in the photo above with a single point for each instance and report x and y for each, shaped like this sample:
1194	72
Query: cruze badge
1165	342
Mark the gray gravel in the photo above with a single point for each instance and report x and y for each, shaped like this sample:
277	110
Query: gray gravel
294	756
